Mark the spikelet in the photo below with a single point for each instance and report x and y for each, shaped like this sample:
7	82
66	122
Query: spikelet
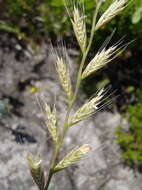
36	171
71	158
114	9
79	27
51	121
100	60
64	76
88	108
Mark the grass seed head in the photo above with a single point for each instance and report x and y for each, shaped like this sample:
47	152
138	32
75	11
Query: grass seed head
36	171
100	60
64	75
51	122
114	9
79	27
88	108
71	158
34	164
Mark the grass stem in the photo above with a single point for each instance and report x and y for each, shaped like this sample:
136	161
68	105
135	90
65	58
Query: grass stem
78	82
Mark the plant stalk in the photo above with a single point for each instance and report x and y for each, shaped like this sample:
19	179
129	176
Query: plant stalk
57	148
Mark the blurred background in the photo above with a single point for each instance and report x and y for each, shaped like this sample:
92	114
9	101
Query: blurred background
27	69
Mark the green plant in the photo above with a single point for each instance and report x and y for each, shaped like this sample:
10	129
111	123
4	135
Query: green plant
103	57
130	140
35	18
32	17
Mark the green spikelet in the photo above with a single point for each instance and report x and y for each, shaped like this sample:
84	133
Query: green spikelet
72	157
79	28
88	108
64	76
51	122
36	172
101	59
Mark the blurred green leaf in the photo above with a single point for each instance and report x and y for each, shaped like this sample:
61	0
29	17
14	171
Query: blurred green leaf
136	17
57	3
52	187
102	83
130	89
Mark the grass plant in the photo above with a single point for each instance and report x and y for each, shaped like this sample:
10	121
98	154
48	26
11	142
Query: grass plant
99	60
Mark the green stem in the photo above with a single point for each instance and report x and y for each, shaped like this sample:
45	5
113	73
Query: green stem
57	151
80	70
49	179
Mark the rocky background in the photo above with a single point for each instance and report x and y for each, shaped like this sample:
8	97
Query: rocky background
23	77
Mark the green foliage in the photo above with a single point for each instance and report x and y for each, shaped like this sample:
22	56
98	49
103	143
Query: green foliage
136	17
33	17
37	18
131	140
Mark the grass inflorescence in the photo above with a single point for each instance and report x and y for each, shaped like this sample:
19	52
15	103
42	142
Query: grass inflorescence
99	60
